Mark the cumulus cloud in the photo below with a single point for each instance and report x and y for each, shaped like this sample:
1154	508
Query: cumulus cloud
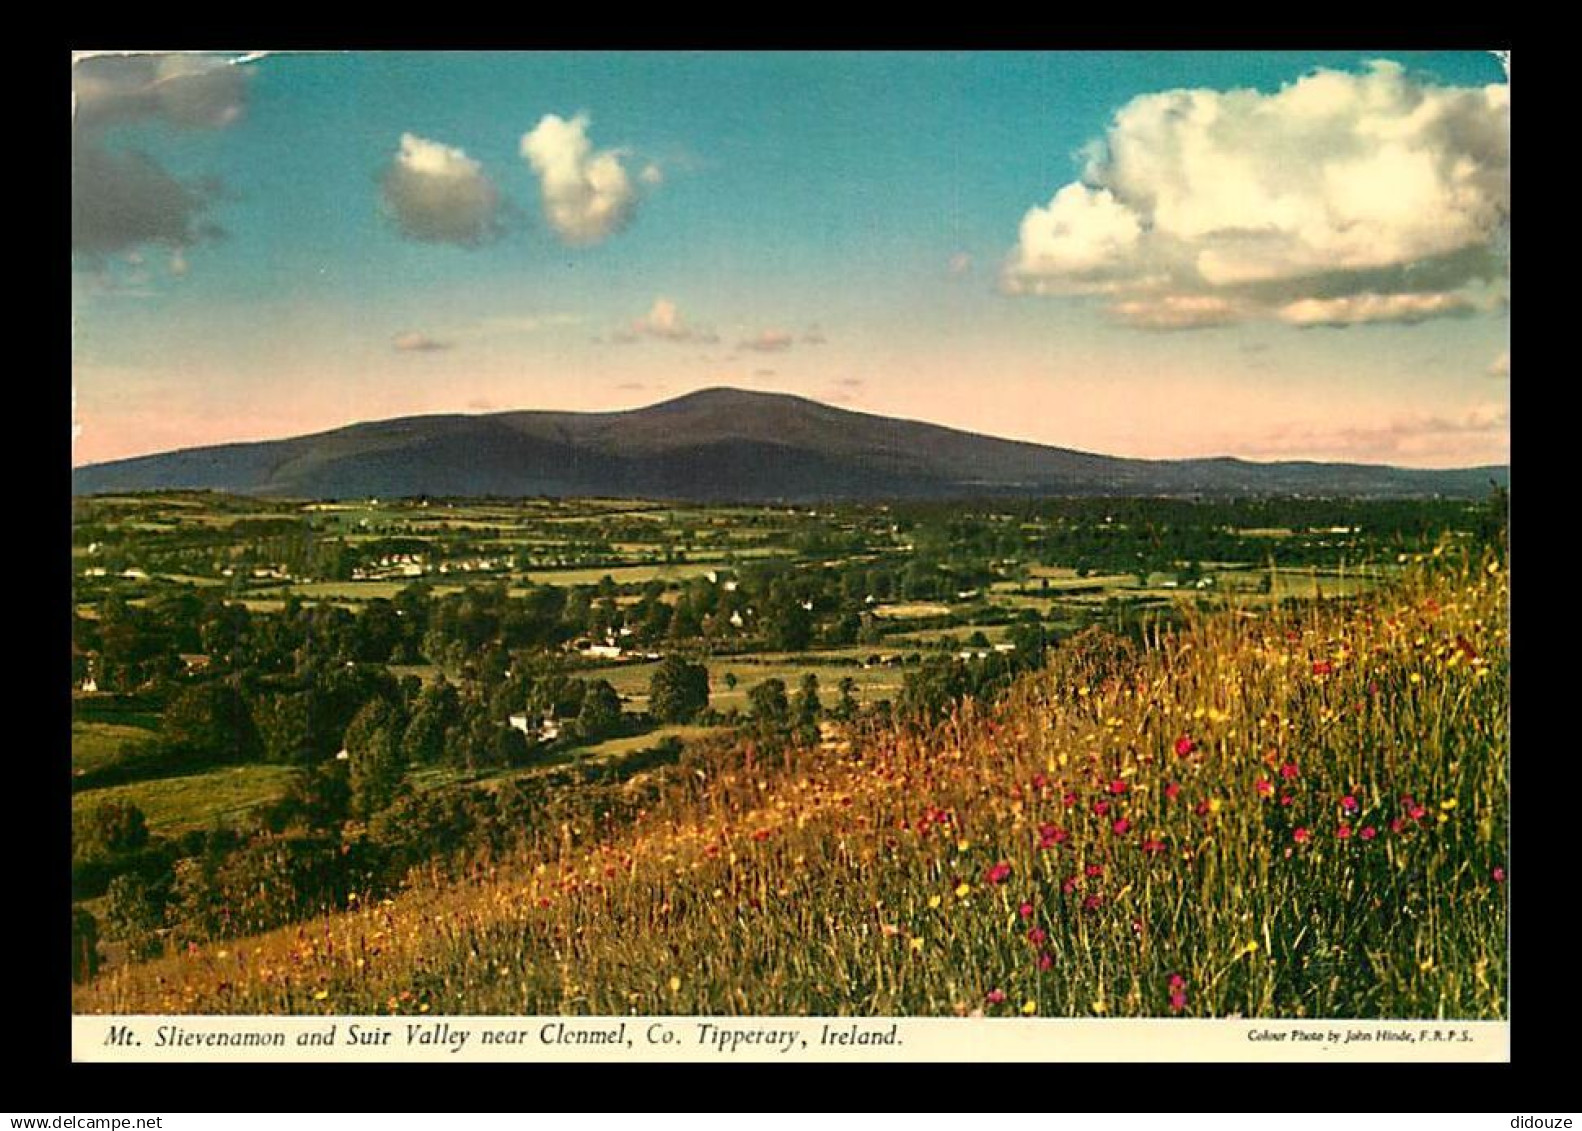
588	195
652	174
1353	309
437	194
664	322
193	91
1478	434
415	341
1501	366
1339	200
122	199
768	341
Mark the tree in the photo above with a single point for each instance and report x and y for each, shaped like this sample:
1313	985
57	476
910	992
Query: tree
807	707
376	761
678	690
214	721
84	944
111	828
846	708
133	914
601	710
770	705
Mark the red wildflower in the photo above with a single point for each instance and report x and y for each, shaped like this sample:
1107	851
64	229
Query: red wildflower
1201	808
1121	826
1321	667
1117	787
1288	771
1287	799
1173	790
1349	803
1069	799
1177	1001
1069	886
1498	874
1265	787
1036	936
1092	903
1101	807
995	996
1344	832
1177	982
1045	960
999	873
1397	825
1025	910
1368	832
1301	835
1185	745
1153	846
1094	869
1038	781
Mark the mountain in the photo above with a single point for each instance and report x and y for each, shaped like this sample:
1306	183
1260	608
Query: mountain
723	445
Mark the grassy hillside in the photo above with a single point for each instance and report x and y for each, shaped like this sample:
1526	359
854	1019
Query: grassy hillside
1274	813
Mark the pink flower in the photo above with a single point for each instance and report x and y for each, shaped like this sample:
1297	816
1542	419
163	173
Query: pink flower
1302	835
1121	826
1498	874
999	873
1349	803
1069	799
1321	667
1264	786
1025	911
1101	807
1173	790
995	996
1092	902
1185	745
1177	982
1344	832
1396	825
1368	832
1094	869
1153	846
1177	1001
1045	960
1036	936
1117	787
1288	771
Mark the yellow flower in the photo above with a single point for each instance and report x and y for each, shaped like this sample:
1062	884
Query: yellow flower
1448	804
321	995
1029	1008
963	889
934	901
917	943
963	845
1100	1007
675	983
1251	947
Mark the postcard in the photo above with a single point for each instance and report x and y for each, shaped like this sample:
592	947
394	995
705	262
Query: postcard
790	556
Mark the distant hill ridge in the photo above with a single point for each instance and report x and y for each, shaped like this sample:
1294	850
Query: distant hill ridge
724	445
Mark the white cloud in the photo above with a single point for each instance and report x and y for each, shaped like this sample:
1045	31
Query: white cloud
665	322
768	341
1378	194
587	194
1354	309
415	341
436	193
652	174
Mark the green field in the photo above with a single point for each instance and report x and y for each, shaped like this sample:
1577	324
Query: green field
97	745
196	801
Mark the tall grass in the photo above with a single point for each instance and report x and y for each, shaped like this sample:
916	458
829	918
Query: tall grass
1273	813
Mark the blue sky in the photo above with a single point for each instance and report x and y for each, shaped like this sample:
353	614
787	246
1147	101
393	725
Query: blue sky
877	230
